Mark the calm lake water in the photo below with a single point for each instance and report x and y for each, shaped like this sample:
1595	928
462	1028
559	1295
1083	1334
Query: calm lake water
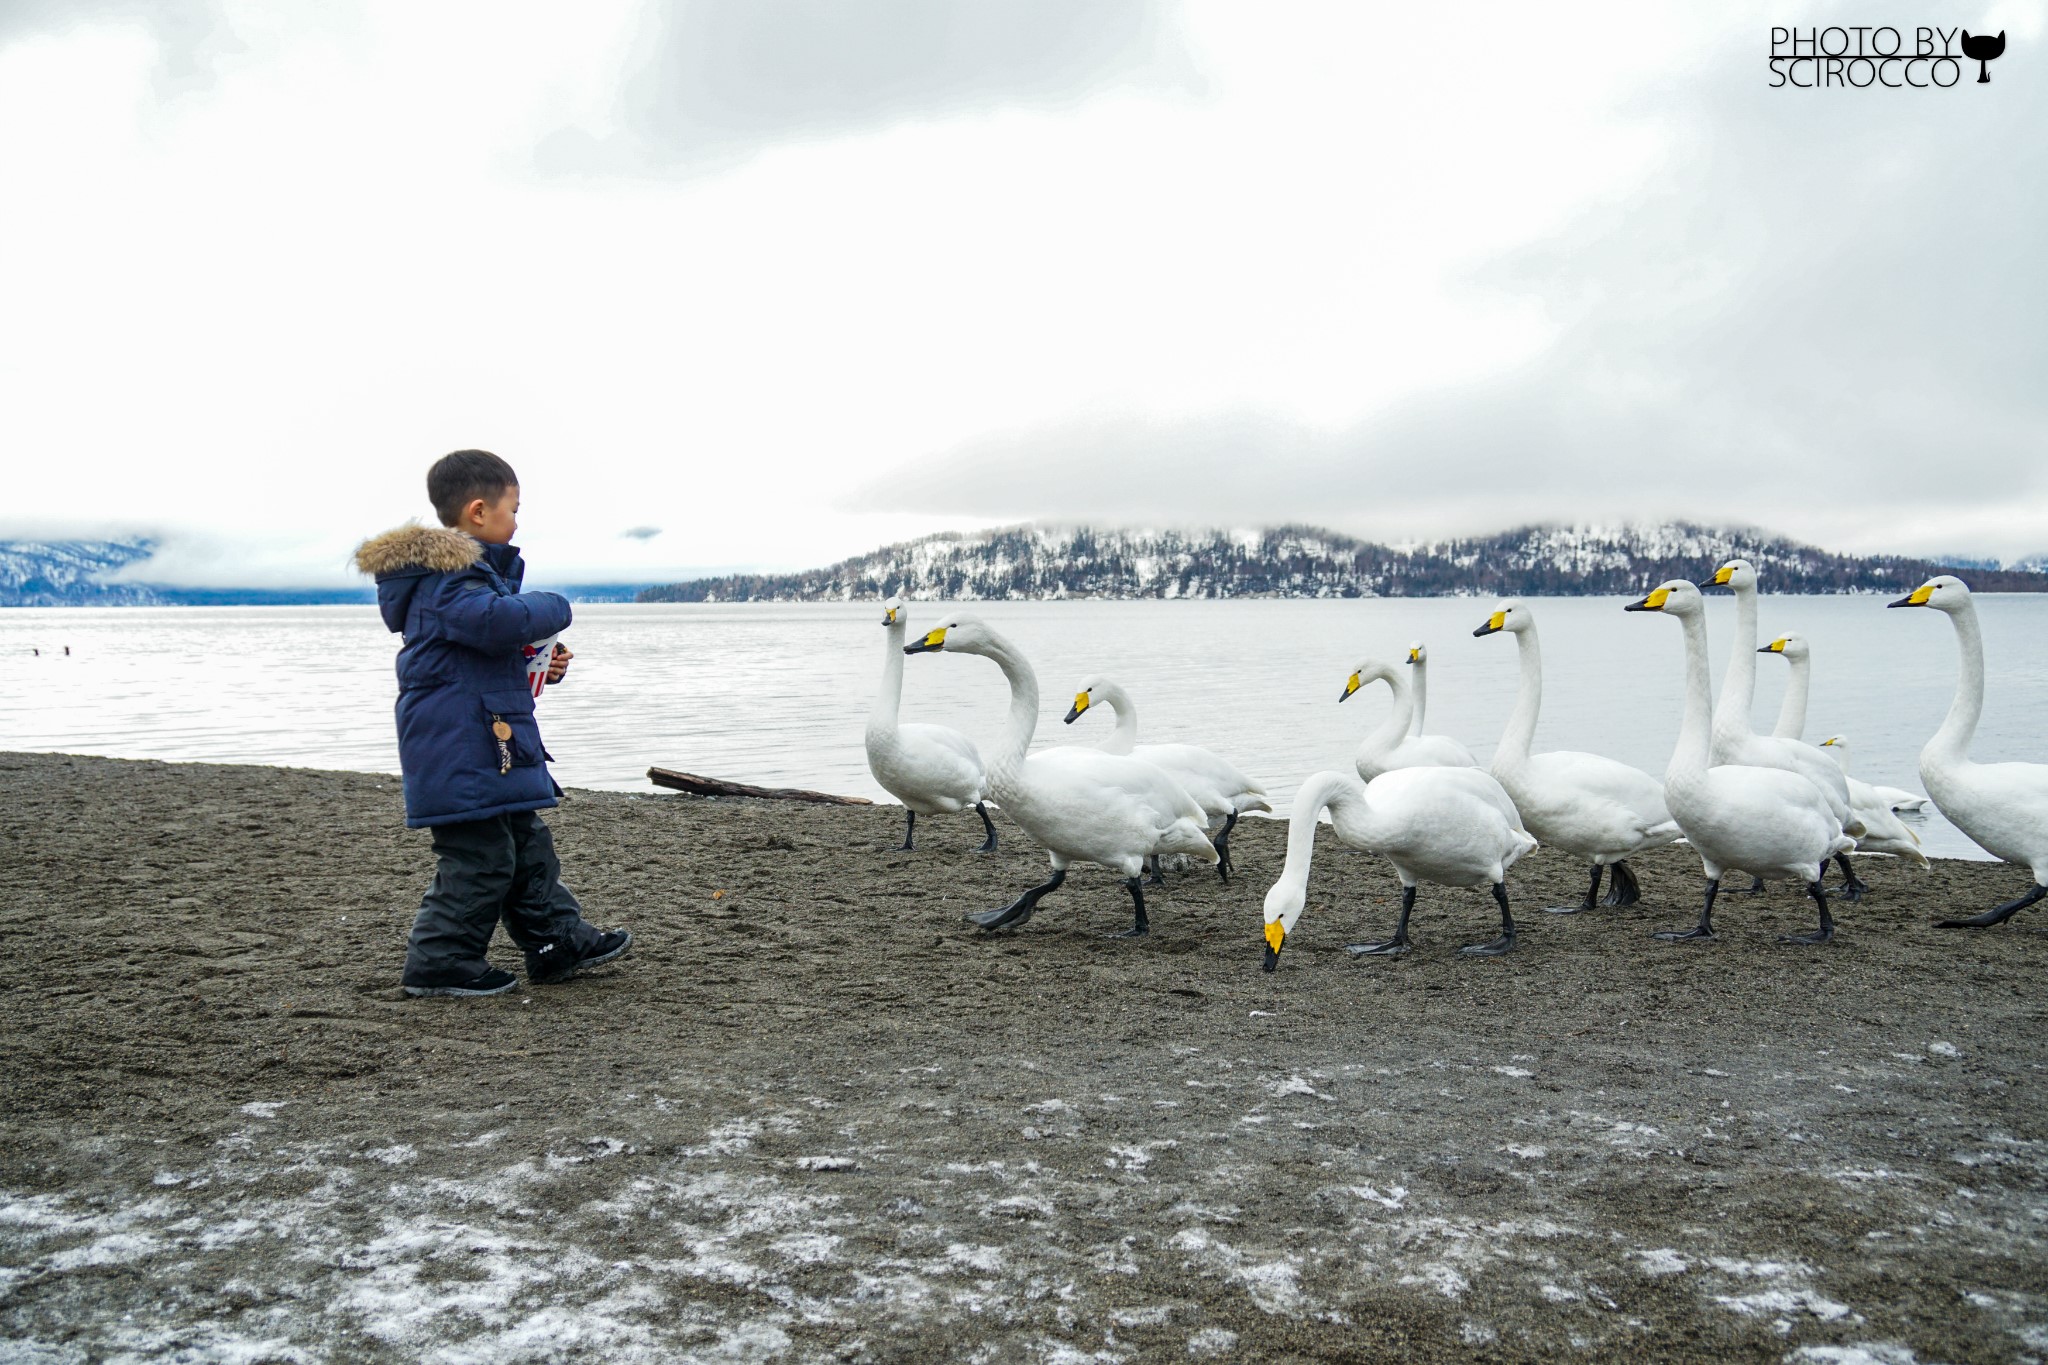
780	694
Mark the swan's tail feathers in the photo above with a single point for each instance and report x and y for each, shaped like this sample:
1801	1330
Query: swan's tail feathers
1525	842
1668	831
1251	801
1854	828
1188	836
1845	844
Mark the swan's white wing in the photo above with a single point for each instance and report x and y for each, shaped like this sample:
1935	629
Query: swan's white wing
1767	821
1898	798
2001	806
929	767
1591	805
1883	830
1213	781
1107	807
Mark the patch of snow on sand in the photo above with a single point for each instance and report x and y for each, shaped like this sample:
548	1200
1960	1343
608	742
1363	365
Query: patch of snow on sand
264	1109
1864	1353
1211	1342
1275	1286
1661	1261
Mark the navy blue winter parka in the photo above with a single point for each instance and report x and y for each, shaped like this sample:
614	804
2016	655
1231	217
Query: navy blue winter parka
457	602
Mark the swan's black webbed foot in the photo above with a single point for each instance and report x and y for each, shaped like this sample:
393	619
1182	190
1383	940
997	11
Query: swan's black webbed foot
1623	891
1157	878
988	845
1506	942
909	829
1757	888
1592	891
1492	948
1853	886
1997	915
1019	910
1703	931
1395	945
1826	932
1142	927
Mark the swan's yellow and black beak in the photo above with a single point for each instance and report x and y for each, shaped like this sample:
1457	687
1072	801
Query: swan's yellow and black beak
1276	938
1080	705
1654	602
936	640
1413	655
1497	621
1916	598
1776	646
1351	684
889	617
1721	577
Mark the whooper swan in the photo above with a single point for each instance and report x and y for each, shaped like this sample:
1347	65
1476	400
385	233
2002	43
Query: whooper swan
1087	806
1586	804
1445	826
1391	746
1768	822
2002	806
931	769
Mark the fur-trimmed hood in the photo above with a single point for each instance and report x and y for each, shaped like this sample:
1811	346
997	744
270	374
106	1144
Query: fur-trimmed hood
429	549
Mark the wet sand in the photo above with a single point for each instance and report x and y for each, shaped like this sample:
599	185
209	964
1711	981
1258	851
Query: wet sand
816	1117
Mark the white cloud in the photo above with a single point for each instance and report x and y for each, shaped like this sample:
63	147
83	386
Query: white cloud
260	304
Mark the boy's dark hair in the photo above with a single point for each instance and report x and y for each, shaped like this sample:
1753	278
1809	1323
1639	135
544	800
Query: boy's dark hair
458	479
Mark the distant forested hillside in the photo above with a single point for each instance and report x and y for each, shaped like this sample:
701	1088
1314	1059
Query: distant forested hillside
1304	561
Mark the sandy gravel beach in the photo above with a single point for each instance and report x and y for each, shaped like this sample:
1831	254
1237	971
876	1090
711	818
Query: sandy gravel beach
815	1117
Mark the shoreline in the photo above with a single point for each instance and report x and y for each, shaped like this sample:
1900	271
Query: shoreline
814	1113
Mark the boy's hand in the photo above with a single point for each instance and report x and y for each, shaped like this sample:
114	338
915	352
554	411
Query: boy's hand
558	663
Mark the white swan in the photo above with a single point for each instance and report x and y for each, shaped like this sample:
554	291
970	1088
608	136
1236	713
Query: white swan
1086	806
1883	830
1418	683
2002	806
1765	821
1585	804
1216	785
1446	826
1736	741
1391	746
931	769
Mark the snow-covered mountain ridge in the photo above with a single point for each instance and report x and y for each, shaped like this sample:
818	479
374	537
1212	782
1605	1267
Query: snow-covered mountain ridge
1039	561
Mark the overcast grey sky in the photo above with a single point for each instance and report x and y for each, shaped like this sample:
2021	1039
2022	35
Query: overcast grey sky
788	278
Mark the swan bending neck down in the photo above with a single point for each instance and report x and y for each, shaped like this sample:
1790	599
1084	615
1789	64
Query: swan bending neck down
1391	746
931	769
1446	826
1585	804
1216	785
1087	806
2002	806
1765	821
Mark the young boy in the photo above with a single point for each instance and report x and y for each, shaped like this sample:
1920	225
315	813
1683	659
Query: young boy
475	770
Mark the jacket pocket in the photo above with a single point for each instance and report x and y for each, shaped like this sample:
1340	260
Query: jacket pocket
514	706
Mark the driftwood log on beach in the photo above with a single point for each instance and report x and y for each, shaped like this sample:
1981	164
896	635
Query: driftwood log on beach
713	786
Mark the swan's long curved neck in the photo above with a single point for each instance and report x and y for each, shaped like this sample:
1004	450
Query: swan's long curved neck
1332	790
1394	728
1952	740
1738	685
1792	710
1419	672
1125	737
1521	728
889	701
1696	730
1009	761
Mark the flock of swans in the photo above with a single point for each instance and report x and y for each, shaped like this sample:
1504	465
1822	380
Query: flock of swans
1773	806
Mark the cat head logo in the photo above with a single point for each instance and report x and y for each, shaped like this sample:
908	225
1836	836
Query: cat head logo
1983	51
